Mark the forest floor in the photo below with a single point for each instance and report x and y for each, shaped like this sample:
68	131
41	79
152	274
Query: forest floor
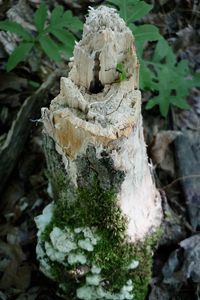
173	146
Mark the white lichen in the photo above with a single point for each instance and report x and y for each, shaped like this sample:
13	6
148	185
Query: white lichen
126	291
88	234
91	292
95	270
86	244
78	229
86	293
93	280
54	254
63	241
44	262
71	247
133	265
44	219
77	258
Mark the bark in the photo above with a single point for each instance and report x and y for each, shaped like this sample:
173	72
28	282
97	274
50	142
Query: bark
98	167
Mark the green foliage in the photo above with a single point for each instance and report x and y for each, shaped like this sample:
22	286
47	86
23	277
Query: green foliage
34	84
18	55
50	47
15	28
131	10
163	75
53	36
145	33
169	79
121	71
40	17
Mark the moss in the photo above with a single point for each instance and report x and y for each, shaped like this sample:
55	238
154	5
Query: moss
94	204
63	277
47	231
141	276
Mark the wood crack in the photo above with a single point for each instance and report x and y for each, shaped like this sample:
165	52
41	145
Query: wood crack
96	85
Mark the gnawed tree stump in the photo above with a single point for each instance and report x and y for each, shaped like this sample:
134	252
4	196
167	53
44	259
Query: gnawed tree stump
96	238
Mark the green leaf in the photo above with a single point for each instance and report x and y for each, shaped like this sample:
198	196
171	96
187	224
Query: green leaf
71	22
163	50
137	11
162	100
179	102
15	28
56	15
146	33
123	10
119	3
63	36
165	77
67	20
146	77
18	55
34	84
131	10
40	17
196	80
152	102
121	71
183	68
164	105
67	38
50	47
173	87
67	49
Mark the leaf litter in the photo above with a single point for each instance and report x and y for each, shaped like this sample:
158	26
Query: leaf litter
176	265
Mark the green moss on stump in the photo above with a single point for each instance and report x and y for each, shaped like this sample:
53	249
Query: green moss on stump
94	205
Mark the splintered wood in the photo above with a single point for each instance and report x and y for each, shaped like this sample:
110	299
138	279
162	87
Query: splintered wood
94	108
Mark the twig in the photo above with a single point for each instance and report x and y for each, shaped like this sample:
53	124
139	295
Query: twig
179	179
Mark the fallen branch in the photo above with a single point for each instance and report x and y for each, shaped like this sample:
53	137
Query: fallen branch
19	132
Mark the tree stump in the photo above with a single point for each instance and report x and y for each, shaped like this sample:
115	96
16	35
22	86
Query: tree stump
96	238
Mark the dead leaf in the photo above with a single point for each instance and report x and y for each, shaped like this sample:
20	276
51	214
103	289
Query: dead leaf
17	276
11	196
160	144
13	82
31	294
3	296
13	275
23	276
9	275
